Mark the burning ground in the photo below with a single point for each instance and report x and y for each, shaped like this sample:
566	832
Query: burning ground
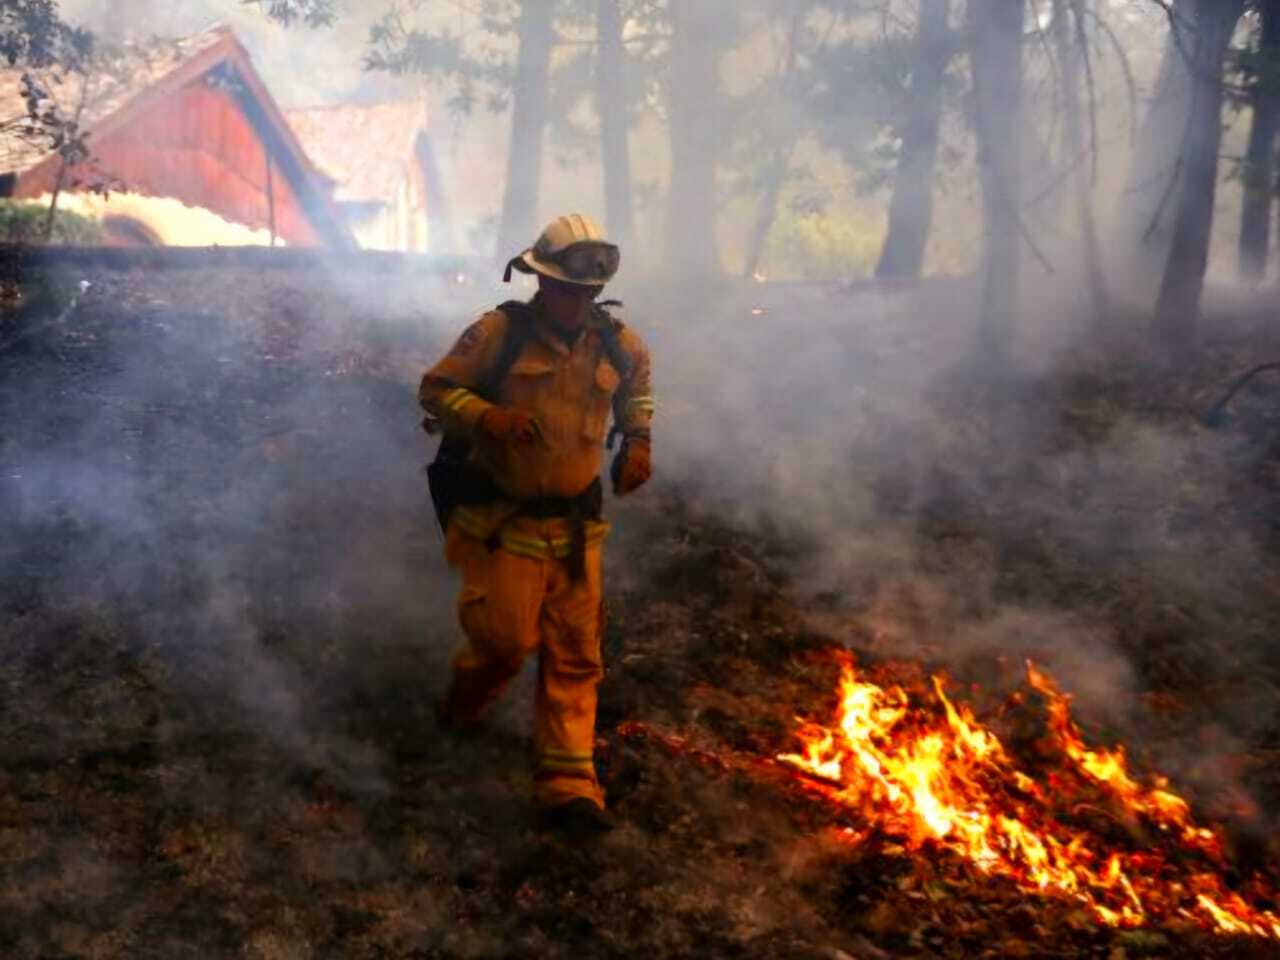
225	618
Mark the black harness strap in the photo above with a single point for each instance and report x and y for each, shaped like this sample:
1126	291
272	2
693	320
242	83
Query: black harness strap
455	481
451	477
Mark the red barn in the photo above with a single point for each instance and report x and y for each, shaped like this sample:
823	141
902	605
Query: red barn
190	120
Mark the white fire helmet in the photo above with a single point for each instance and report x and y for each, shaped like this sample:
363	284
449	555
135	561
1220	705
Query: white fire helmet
572	249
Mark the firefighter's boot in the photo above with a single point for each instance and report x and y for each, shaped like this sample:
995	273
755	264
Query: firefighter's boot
578	818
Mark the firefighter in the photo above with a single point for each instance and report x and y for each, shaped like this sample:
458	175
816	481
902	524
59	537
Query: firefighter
525	396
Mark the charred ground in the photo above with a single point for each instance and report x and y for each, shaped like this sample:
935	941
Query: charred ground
225	617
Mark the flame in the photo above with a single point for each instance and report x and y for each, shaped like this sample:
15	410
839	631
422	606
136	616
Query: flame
933	775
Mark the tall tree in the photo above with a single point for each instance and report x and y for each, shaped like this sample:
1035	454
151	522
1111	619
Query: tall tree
1183	282
693	97
535	32
1072	45
911	206
612	105
995	51
1145	215
1259	173
779	153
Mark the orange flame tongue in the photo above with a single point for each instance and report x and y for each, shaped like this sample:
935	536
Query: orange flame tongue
949	779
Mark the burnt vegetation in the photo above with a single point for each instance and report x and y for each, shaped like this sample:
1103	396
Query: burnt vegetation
224	615
225	618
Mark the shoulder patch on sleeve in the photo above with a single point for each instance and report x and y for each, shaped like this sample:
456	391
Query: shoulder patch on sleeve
471	340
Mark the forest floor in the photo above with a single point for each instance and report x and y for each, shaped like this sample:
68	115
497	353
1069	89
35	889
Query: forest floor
225	619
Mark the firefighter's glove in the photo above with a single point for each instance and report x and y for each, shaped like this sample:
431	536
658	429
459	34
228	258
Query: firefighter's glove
631	466
507	425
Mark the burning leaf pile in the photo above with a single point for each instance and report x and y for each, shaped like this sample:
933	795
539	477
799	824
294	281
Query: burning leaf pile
922	768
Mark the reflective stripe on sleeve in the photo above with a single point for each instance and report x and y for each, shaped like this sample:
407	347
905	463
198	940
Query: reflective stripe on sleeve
456	399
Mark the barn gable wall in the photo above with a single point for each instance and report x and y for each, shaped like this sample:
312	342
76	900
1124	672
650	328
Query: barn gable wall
197	146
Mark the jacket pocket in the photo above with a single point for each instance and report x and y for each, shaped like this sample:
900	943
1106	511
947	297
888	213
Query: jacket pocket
600	399
526	384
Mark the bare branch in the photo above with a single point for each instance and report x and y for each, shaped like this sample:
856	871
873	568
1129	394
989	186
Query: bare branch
1126	69
1082	42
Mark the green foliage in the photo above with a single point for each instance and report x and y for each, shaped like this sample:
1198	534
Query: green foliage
314	13
24	222
809	244
477	65
32	34
863	94
34	37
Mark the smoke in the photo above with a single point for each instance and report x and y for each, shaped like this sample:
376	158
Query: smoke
237	489
301	66
1062	505
1050	506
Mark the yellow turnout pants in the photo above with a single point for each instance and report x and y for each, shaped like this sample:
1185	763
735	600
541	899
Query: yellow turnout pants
513	603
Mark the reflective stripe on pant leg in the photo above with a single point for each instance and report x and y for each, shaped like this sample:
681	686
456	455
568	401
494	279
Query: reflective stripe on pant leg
569	673
498	608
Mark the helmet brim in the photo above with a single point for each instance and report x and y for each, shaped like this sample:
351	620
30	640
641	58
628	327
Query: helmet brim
528	262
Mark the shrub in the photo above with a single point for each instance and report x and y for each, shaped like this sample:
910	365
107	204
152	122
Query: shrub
23	221
823	246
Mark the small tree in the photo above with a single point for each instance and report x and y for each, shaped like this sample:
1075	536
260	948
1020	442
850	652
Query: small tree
33	36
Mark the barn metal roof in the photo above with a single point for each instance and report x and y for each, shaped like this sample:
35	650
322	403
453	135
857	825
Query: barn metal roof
364	150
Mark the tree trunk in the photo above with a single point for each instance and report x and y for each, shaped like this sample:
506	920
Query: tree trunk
1071	43
767	211
691	249
611	102
1183	282
911	207
1150	194
1259	164
995	49
528	122
779	160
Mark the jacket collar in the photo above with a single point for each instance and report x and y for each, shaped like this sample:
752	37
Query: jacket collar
544	331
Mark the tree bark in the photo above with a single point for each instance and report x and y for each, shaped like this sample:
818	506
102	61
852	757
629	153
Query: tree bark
1071	40
536	30
1150	194
767	211
1183	283
911	207
1259	163
611	103
692	252
995	49
779	160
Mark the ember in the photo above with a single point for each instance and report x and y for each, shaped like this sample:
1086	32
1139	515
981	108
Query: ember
922	768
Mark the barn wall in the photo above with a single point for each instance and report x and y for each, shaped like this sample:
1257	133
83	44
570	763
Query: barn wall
198	147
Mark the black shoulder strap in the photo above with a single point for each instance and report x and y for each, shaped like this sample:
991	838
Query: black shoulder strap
609	327
519	326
